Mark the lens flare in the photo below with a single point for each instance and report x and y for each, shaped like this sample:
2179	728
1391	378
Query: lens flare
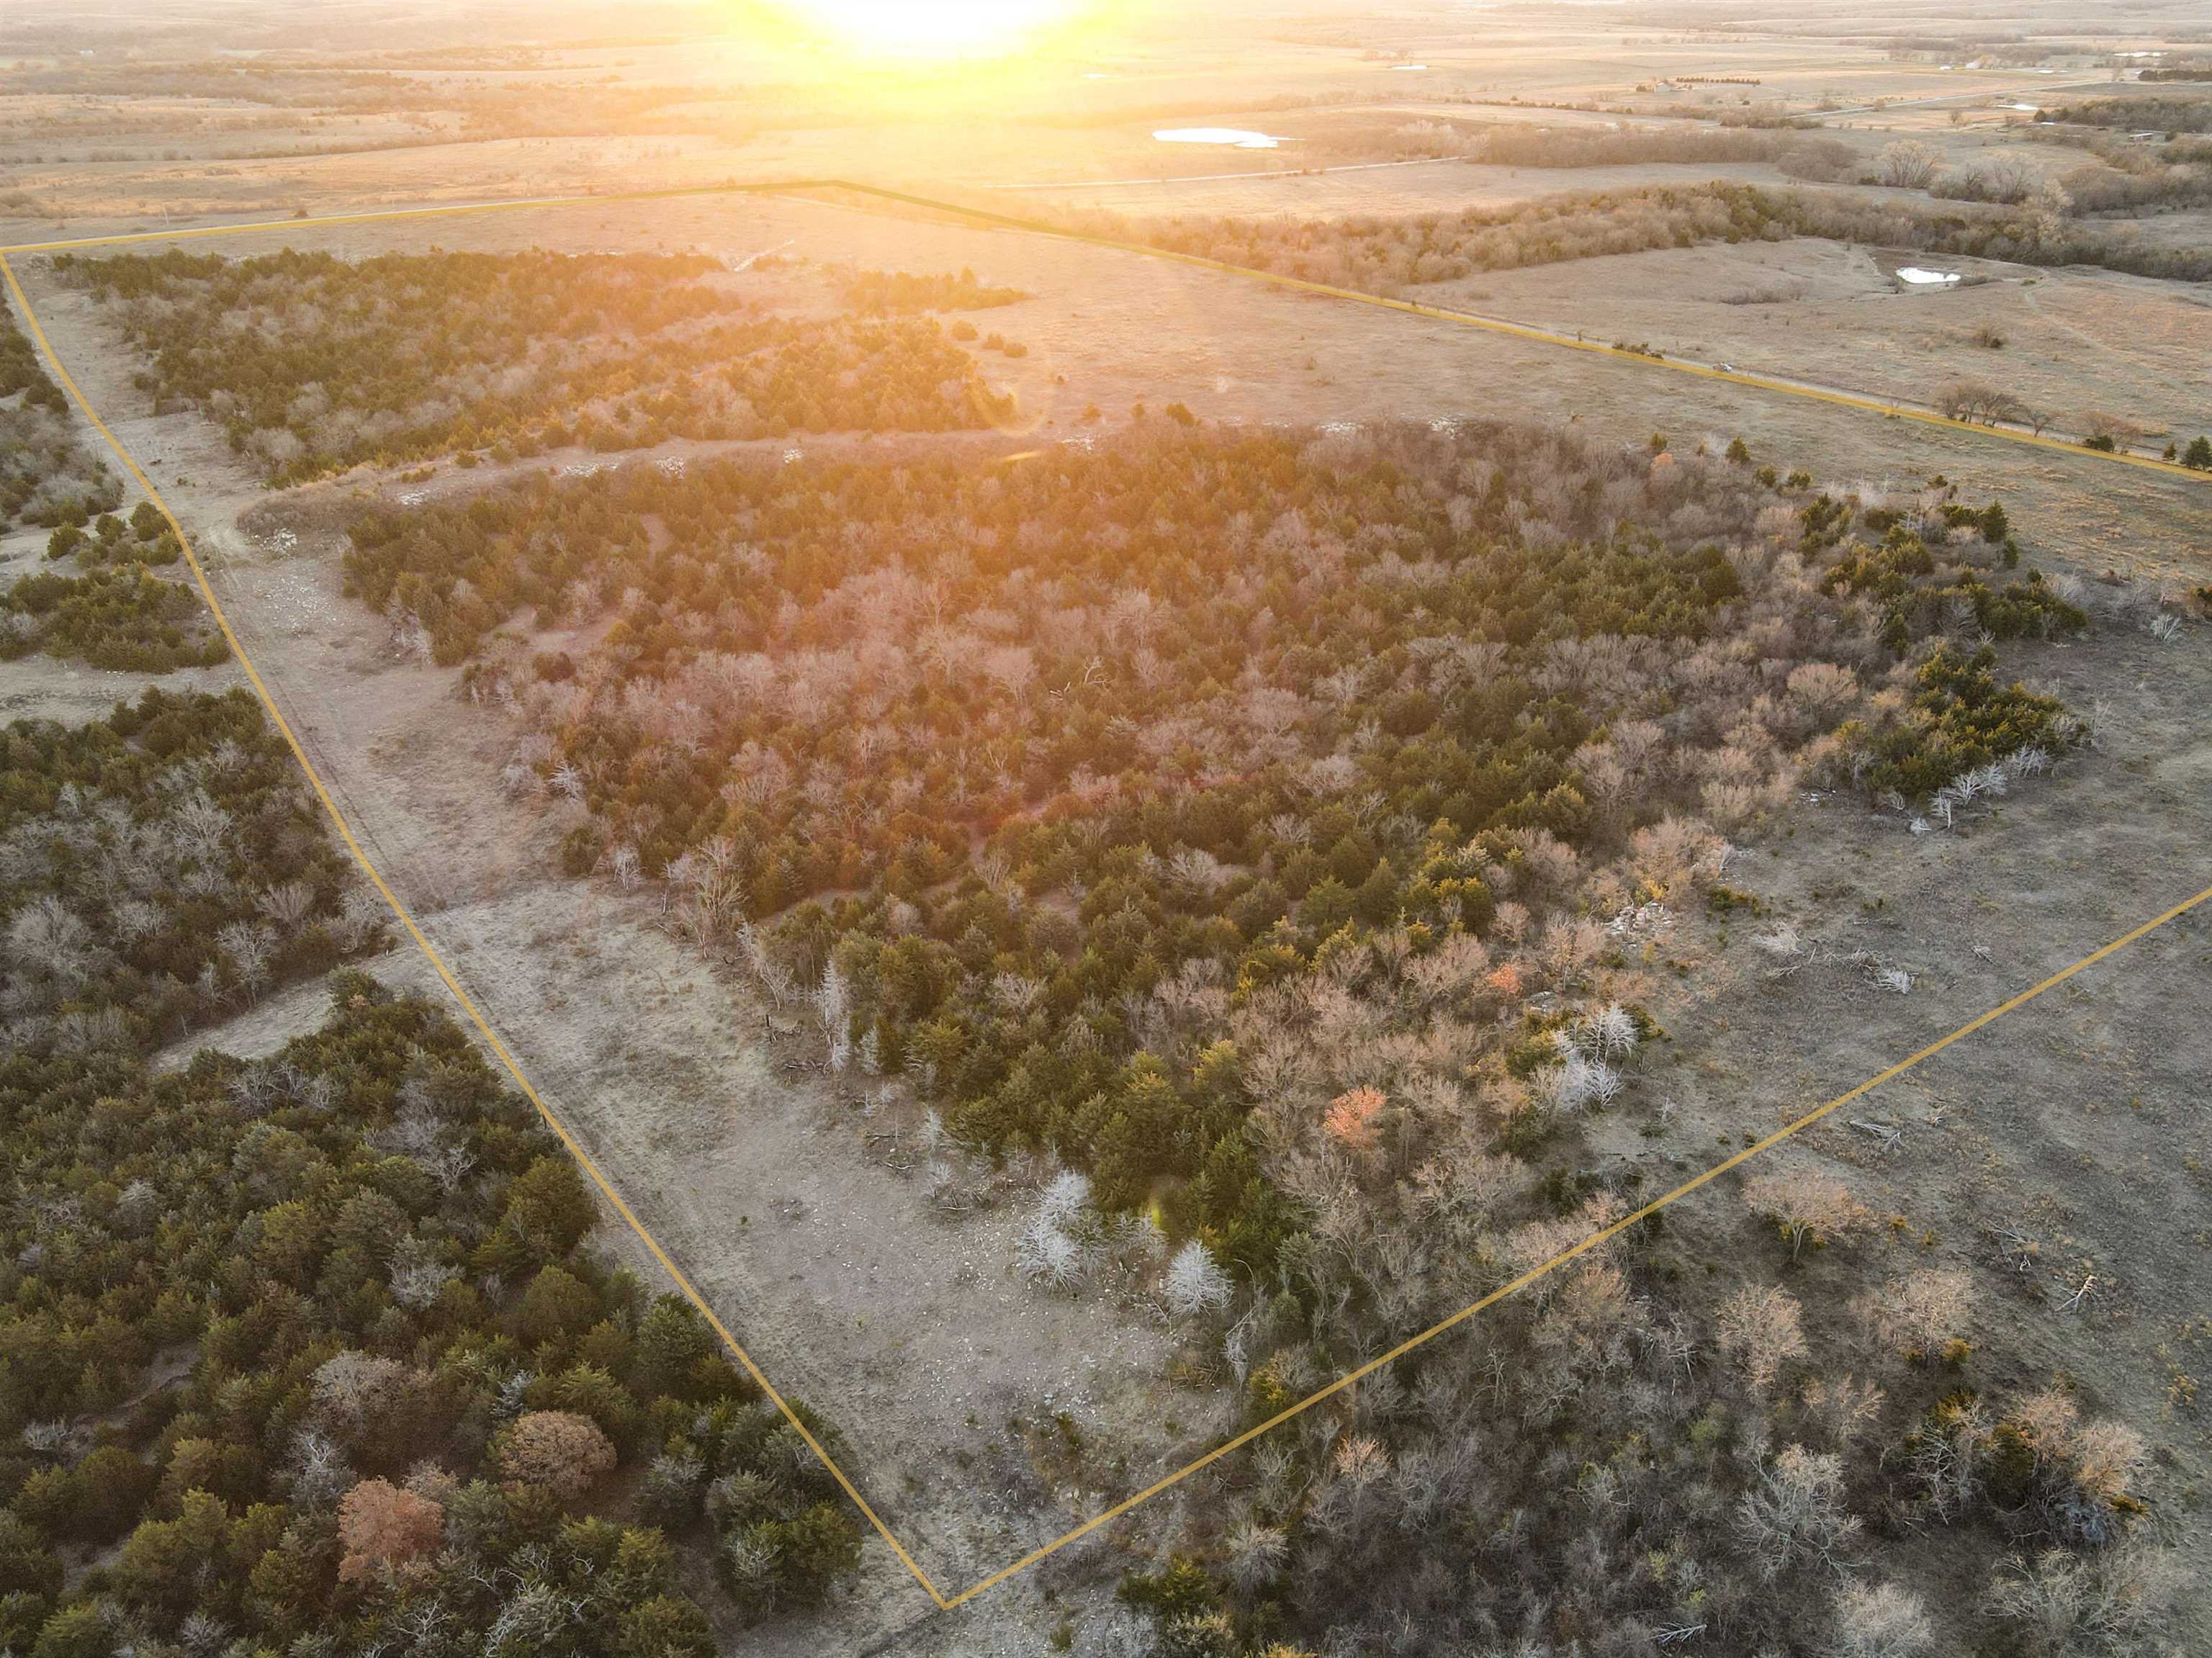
931	28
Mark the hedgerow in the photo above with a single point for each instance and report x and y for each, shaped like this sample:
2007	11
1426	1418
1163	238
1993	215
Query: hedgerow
1388	255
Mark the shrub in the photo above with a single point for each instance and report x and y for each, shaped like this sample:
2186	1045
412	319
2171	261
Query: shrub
898	290
1918	1313
1759	1333
1960	719
666	1626
1881	1620
1807	1207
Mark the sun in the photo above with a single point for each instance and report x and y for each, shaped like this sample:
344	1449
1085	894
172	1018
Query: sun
933	28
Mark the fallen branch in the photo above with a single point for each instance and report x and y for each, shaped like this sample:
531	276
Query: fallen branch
2073	1302
1890	1136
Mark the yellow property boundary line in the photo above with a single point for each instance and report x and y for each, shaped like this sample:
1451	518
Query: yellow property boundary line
690	1293
1597	1240
1888	408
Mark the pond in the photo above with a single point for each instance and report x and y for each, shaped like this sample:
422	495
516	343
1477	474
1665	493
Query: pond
1235	137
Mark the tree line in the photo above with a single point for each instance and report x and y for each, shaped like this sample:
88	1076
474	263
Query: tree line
47	476
2138	114
874	291
116	615
1388	254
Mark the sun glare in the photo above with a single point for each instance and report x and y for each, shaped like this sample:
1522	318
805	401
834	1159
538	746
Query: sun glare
931	28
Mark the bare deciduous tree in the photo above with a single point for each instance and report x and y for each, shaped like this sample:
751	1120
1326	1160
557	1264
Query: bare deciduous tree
290	904
47	936
1046	1255
1795	1514
1920	1312
351	1387
1843	1405
2068	1603
1807	1207
1759	1333
1881	1620
1907	164
1978	400
1194	1283
1253	1555
251	949
359	917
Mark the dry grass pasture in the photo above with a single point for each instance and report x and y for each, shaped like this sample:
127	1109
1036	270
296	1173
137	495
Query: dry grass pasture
2063	340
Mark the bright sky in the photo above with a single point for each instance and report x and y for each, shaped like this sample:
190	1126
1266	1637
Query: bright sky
934	28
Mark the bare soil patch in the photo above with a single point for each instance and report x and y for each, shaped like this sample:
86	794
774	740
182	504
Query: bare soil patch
40	686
